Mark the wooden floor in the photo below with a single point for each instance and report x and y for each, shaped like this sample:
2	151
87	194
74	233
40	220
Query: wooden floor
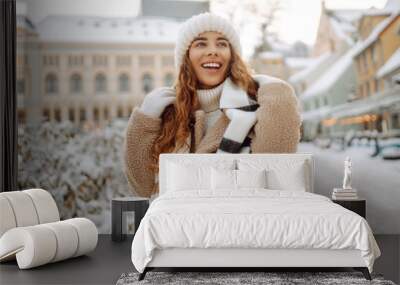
111	259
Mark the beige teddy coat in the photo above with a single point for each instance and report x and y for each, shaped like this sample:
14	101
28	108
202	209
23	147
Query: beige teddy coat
277	130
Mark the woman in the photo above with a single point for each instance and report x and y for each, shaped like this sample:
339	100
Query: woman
216	105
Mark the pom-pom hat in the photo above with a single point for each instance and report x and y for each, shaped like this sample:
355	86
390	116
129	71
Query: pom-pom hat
205	22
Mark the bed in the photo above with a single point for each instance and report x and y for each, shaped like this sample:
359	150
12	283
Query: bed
245	211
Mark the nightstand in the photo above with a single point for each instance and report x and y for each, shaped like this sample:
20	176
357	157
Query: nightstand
137	205
358	206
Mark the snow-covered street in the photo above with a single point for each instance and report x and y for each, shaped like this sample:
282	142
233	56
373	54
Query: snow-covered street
376	179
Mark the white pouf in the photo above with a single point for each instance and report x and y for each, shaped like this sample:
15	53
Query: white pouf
31	230
45	243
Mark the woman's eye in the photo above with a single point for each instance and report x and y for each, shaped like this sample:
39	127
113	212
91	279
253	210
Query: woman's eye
200	44
222	44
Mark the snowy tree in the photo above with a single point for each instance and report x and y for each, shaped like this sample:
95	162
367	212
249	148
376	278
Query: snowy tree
83	170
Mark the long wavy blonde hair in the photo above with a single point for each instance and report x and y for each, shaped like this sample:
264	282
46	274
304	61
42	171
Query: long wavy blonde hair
178	119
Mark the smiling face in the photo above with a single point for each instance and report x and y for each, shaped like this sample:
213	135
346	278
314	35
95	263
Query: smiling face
210	54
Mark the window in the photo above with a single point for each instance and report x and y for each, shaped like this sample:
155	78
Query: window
75	60
100	60
147	83
123	83
146	61
373	54
82	115
169	79
376	85
359	64
46	114
396	121
71	115
21	116
120	112
100	83
124	60
51	84
96	114
20	86
364	58
57	115
50	60
75	84
367	89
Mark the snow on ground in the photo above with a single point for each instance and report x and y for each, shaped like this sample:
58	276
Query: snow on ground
376	179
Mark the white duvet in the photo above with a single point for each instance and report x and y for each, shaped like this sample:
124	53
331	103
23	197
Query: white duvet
253	218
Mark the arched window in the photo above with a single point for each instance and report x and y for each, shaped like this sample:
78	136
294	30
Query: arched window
96	114
57	114
82	115
46	114
123	81
147	83
100	83
71	115
51	83
105	113
169	79
75	83
21	117
120	112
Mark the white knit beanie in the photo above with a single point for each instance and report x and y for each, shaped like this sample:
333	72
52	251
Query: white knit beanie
205	22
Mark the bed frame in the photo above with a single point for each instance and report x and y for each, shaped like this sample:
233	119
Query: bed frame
247	259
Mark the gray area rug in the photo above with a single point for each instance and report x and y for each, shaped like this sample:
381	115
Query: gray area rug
269	278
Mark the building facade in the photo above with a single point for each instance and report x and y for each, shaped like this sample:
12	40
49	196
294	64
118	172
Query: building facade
90	70
358	89
330	78
374	85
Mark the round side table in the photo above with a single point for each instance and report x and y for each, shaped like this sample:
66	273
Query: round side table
138	205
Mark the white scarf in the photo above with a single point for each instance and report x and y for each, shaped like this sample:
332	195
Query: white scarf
240	109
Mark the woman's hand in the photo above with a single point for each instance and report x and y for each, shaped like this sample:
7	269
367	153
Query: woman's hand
156	101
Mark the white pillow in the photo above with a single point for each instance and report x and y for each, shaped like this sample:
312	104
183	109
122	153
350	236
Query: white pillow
181	177
223	179
188	173
228	179
292	179
282	174
251	178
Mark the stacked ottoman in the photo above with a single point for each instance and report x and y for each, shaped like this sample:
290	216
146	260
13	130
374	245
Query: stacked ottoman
32	233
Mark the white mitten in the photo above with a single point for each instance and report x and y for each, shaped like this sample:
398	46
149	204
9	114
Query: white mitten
156	101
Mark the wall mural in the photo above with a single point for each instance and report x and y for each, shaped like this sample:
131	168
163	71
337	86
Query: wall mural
76	91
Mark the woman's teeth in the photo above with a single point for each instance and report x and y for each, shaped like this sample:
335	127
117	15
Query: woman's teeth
211	65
